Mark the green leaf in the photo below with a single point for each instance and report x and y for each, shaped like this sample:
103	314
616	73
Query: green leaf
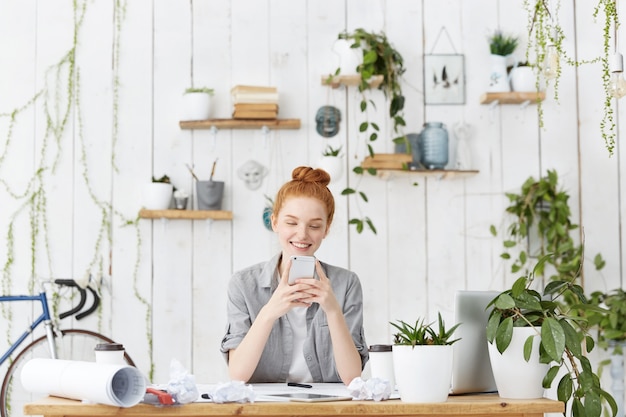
528	347
371	225
492	325
553	338
348	191
577	408
505	302
370	57
363	126
363	105
611	401
504	334
593	405
518	287
363	196
550	375
564	389
493	230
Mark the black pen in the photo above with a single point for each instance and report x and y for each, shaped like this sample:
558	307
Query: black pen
295	384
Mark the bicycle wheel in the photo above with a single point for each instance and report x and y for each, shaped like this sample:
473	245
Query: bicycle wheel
73	344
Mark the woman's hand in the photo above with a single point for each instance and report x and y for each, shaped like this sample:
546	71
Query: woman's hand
287	296
312	290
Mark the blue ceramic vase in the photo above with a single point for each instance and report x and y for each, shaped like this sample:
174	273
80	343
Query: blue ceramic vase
433	146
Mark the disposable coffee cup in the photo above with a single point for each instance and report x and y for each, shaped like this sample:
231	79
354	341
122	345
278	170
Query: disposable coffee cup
209	194
110	353
381	363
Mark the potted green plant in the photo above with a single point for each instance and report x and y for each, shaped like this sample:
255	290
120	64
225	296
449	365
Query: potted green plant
197	103
379	58
555	335
423	349
541	224
500	47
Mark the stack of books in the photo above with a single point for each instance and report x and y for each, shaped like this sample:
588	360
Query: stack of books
254	102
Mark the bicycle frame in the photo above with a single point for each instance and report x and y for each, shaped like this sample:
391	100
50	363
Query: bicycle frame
44	318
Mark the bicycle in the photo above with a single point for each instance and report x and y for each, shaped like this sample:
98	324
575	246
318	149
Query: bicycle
71	344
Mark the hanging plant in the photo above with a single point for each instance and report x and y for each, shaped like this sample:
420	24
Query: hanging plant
379	58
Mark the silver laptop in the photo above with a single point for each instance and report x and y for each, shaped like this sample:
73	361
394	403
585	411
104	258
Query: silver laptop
471	368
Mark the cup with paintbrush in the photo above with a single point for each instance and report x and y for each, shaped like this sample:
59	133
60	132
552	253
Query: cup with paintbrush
209	193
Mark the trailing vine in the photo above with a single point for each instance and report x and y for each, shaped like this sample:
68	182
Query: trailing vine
60	98
544	31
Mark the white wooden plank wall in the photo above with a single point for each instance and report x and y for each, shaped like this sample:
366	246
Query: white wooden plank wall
433	235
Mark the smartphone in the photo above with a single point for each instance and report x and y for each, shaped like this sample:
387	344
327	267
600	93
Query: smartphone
301	267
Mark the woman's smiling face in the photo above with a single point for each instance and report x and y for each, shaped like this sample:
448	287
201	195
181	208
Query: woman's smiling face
301	226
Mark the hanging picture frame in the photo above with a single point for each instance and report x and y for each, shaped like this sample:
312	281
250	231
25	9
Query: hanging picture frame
444	79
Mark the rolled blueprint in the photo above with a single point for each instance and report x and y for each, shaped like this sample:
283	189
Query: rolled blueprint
119	385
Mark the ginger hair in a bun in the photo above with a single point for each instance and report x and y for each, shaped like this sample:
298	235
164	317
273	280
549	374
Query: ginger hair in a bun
307	182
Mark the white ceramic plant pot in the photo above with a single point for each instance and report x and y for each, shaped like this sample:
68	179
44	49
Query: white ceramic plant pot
348	59
196	106
498	77
423	373
515	378
523	79
157	196
333	165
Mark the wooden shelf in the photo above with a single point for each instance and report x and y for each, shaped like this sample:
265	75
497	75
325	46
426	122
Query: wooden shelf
515	97
440	174
186	214
336	81
241	124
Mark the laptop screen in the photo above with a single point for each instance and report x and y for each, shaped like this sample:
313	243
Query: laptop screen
471	368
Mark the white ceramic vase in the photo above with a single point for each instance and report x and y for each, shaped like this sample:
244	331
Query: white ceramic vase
157	196
498	77
196	106
333	165
515	378
423	373
523	79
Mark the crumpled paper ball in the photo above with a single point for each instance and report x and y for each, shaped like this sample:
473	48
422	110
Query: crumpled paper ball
376	389
232	392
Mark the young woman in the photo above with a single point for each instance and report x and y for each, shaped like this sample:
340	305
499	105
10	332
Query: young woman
312	330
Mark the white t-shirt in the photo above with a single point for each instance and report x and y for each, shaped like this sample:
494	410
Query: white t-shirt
299	371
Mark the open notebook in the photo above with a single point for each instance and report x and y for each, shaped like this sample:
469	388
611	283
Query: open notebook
471	368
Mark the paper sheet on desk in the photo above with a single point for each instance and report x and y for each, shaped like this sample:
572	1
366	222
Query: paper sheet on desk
262	390
119	385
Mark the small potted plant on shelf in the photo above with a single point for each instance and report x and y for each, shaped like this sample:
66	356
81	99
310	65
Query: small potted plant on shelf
157	195
500	46
332	162
422	350
535	336
197	103
523	77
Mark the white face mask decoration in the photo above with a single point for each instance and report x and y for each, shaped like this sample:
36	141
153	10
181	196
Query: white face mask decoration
252	174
